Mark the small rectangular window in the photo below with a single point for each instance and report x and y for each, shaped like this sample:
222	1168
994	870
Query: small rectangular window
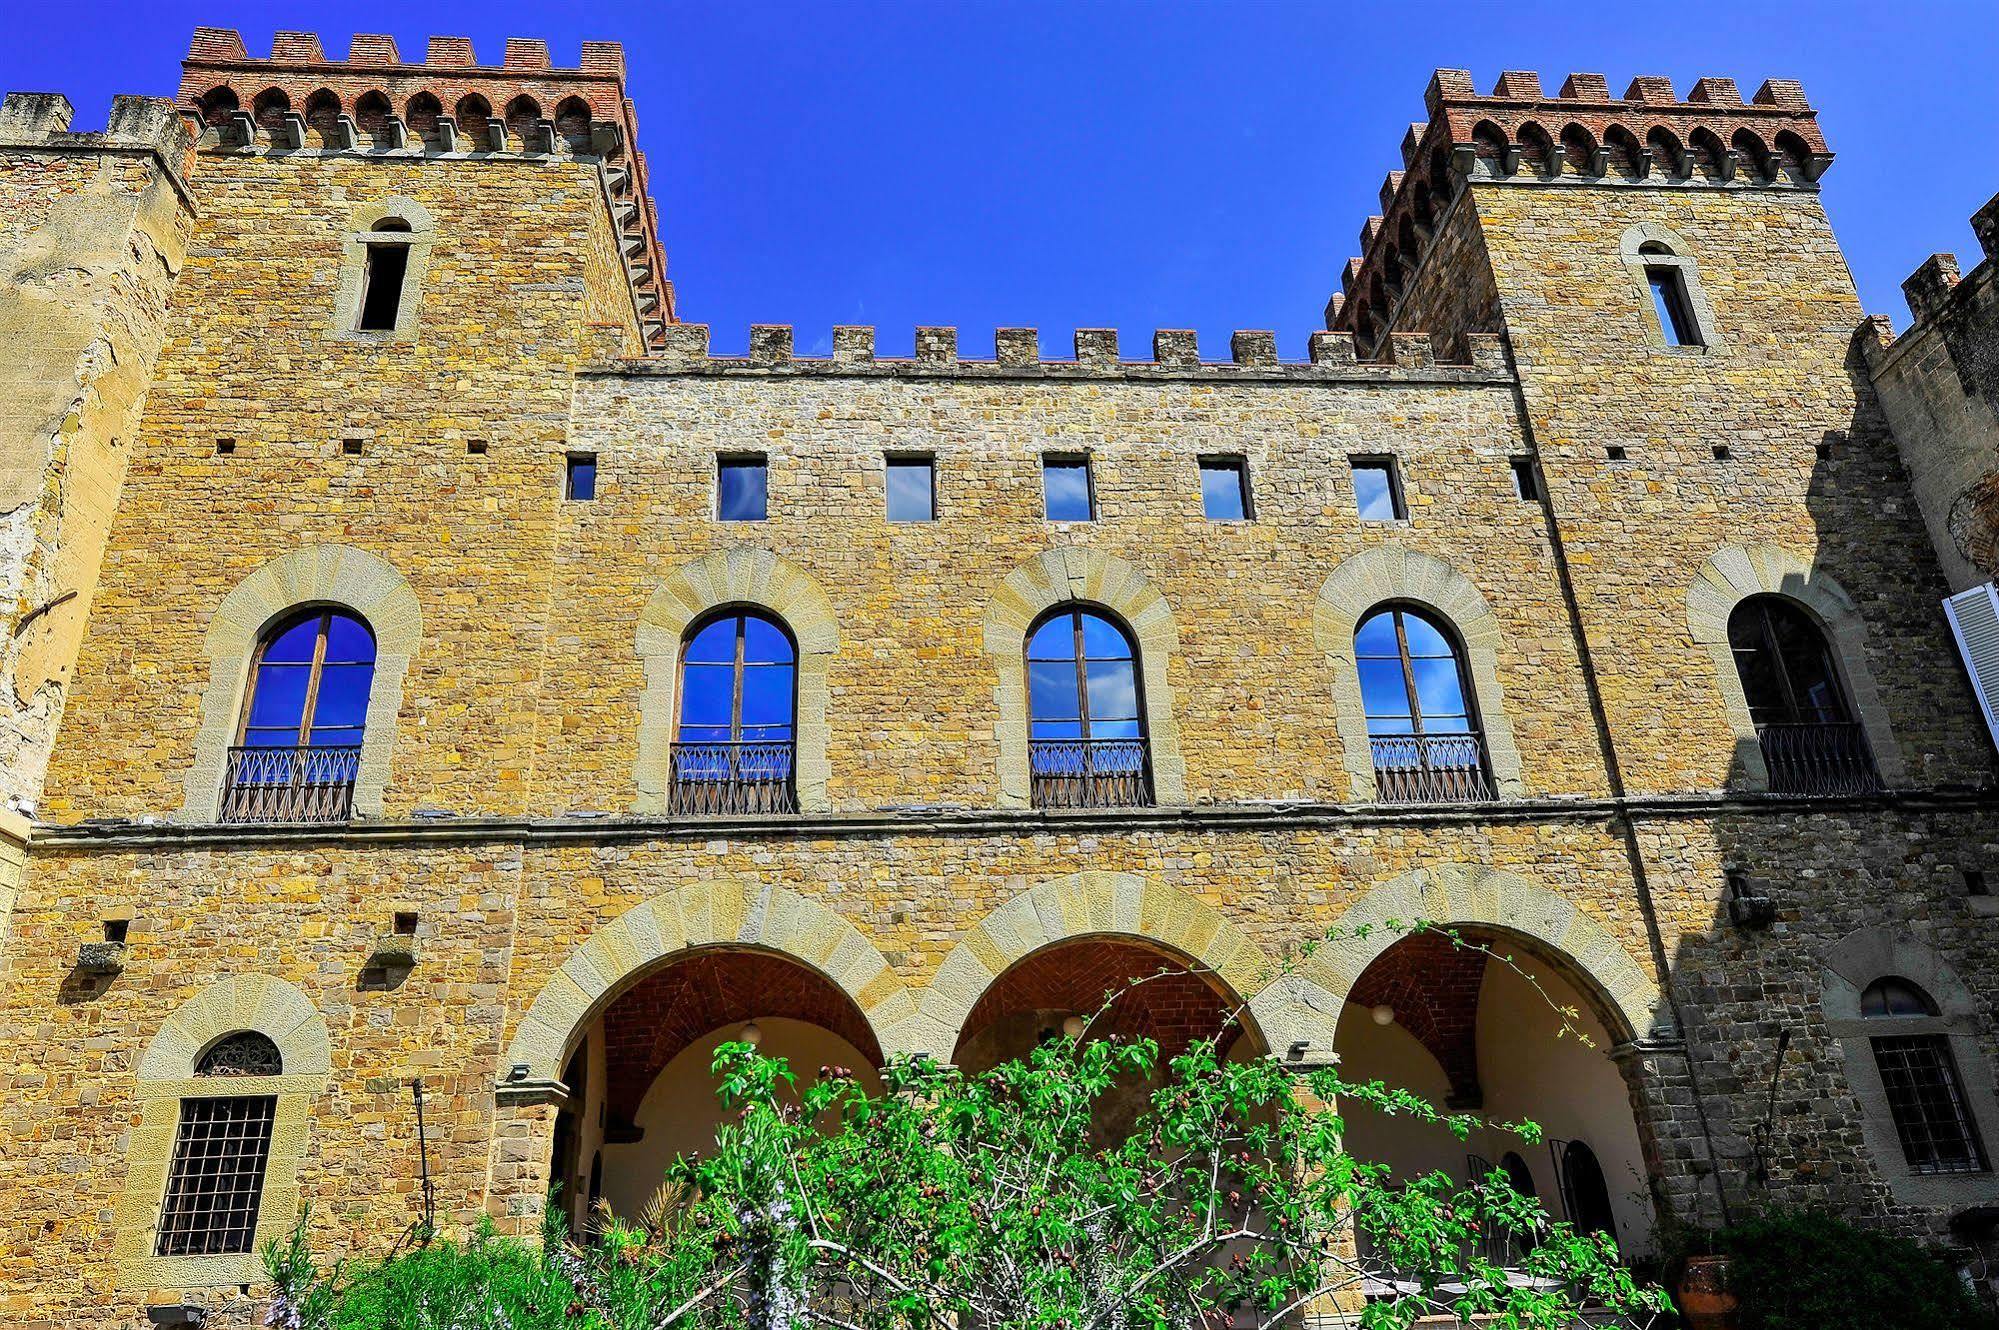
912	489
216	1179
1225	489
1525	486
116	930
580	482
352	447
1669	301
475	447
1722	452
1067	490
1377	489
224	447
742	488
382	287
1614	452
1974	882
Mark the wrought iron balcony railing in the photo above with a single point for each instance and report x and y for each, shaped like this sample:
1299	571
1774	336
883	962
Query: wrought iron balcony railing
718	779
1088	773
290	784
1431	768
1818	758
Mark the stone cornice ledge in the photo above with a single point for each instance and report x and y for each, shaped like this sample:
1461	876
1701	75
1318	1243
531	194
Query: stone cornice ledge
124	834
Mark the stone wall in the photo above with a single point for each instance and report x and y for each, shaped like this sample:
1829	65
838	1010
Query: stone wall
1939	387
93	229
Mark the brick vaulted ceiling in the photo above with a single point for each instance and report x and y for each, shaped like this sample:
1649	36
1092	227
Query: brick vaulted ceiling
1174	1009
1433	987
672	1008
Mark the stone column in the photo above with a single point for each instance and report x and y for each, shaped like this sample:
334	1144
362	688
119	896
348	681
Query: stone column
1341	1308
523	1147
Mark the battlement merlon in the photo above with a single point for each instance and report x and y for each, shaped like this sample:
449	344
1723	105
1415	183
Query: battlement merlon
1016	353
1935	286
40	121
374	100
1517	133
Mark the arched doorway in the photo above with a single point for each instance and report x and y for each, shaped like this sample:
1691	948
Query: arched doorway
1062	989
641	1087
1467	1030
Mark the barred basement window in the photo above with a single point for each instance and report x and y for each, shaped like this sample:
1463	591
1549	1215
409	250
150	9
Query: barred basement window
1919	1076
216	1179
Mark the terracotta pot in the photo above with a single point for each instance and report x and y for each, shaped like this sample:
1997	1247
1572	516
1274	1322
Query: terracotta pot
1705	1300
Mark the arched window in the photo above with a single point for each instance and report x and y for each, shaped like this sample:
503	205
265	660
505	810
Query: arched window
221	1151
1421	720
1811	741
1086	720
1585	1190
298	745
1920	1078
1666	277
736	741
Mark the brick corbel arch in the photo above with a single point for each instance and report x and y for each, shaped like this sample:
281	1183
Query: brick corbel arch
723	913
1092	903
1074	574
1464	894
338	575
1395	573
1733	574
740	576
165	1078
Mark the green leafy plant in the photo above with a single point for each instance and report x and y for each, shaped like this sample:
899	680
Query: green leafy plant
1808	1271
1001	1200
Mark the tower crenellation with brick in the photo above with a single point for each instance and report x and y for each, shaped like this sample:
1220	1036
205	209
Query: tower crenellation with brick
387	346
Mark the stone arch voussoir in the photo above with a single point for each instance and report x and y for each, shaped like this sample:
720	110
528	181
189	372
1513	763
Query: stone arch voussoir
1734	573
743	575
1059	576
341	575
259	1002
1396	573
1460	894
1092	903
713	914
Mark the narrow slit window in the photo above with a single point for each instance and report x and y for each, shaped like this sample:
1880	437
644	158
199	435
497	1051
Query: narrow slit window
1669	301
1067	490
580	480
1377	490
387	262
1225	489
742	489
912	489
1525	487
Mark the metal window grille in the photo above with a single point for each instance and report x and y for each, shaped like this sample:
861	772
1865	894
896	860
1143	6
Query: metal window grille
1088	773
725	778
290	784
1926	1099
245	1053
217	1175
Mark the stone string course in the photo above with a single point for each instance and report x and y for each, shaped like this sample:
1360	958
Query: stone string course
515	804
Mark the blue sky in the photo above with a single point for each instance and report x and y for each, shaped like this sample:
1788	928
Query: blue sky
1112	164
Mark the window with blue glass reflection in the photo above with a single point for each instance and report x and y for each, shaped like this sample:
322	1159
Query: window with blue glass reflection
1066	490
1082	679
1411	678
309	685
742	489
738	676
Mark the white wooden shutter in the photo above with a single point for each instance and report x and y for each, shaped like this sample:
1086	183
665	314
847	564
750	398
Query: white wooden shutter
1974	621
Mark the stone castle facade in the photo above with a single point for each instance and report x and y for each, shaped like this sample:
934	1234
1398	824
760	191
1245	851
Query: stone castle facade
427	663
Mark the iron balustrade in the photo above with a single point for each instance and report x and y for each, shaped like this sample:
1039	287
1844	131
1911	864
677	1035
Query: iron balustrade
711	779
1088	773
1431	768
1818	757
290	784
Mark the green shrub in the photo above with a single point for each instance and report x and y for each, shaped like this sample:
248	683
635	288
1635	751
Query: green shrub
1805	1271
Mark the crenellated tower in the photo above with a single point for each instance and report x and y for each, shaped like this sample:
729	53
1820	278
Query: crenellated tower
449	107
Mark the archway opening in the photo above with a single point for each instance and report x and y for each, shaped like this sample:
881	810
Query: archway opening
642	1091
1105	987
1469	1031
